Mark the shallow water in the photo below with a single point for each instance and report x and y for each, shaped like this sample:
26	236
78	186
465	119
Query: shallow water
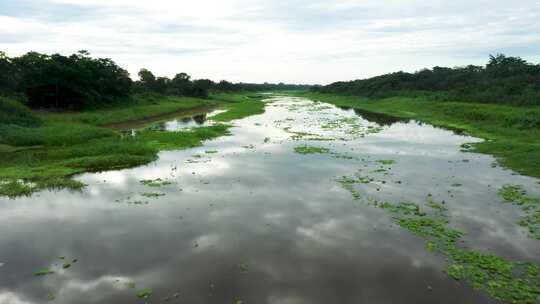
258	223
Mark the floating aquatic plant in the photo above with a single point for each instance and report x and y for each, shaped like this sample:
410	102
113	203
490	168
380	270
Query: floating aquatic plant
516	195
311	150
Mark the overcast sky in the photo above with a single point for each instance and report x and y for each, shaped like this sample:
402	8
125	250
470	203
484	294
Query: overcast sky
296	41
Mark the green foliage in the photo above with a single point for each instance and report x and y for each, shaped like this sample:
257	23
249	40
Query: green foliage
47	167
182	140
152	194
59	134
530	206
51	296
387	162
225	86
43	272
311	150
79	82
145	293
14	188
141	107
15	113
512	193
69	81
508	80
239	106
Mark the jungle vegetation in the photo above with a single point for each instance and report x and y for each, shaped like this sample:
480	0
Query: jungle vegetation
503	80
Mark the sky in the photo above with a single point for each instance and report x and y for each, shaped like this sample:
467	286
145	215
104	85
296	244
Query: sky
292	41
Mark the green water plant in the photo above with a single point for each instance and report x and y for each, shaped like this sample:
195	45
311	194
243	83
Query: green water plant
503	279
311	150
530	205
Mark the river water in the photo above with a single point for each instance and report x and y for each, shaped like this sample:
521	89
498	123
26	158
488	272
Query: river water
245	219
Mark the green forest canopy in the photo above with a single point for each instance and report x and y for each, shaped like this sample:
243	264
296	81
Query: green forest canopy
80	81
507	80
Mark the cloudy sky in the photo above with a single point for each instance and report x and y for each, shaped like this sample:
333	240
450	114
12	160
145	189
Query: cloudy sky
301	41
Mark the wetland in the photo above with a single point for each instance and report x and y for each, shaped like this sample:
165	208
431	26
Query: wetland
285	200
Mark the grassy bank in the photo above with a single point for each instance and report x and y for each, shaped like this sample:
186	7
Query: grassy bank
512	133
239	106
43	150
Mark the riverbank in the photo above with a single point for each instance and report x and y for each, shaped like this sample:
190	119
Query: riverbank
47	152
512	133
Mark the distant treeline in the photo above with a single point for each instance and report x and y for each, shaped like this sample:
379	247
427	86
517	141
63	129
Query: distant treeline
507	80
80	81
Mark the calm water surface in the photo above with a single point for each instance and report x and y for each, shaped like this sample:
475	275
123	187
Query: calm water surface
252	221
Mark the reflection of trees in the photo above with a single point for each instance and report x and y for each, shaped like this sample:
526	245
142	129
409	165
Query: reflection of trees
200	119
380	119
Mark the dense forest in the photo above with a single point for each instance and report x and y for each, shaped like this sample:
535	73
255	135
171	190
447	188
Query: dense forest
506	80
79	81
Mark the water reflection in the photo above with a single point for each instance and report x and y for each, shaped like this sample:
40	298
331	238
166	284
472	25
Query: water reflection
177	124
262	224
379	118
195	121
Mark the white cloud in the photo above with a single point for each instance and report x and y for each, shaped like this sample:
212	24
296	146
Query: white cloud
11	298
262	40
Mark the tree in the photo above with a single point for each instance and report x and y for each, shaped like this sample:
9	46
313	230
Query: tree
502	66
74	81
201	87
181	84
504	79
147	79
7	75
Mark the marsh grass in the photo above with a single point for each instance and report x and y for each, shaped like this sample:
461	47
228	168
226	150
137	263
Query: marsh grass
141	106
239	105
240	110
47	155
14	113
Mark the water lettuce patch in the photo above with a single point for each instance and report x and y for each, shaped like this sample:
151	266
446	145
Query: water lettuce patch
530	205
311	150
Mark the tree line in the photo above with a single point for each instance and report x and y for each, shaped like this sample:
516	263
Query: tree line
504	79
79	81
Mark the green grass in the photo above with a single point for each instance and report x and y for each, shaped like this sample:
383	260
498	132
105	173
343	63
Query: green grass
512	133
140	107
239	106
50	166
13	112
66	144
